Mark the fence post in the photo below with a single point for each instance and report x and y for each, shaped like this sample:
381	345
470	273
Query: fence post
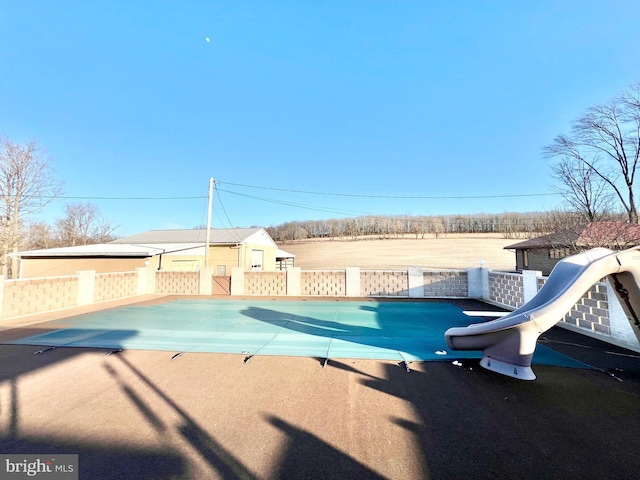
141	273
237	281
478	283
530	284
205	286
416	282
352	282
151	279
86	287
293	281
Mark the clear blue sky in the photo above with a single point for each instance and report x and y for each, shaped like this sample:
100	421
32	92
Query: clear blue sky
451	101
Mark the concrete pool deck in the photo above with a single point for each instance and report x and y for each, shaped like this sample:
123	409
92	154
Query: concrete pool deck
139	414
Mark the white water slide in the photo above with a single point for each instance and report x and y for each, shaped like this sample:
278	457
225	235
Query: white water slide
508	343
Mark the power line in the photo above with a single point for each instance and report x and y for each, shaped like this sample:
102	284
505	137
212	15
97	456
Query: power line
64	197
320	209
297	205
424	197
131	198
306	192
231	228
418	219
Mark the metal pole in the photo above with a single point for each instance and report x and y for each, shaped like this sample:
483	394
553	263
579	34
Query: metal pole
206	247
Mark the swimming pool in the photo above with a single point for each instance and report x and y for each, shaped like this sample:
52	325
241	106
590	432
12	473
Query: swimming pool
384	330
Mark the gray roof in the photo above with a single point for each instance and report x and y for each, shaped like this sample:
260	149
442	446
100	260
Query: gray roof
218	236
544	241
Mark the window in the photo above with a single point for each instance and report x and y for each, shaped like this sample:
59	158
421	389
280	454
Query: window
257	257
559	252
187	265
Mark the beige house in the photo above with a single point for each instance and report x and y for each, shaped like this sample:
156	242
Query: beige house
163	250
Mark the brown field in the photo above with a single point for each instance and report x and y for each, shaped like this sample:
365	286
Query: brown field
459	251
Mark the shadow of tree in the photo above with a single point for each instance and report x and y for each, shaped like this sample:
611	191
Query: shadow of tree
307	456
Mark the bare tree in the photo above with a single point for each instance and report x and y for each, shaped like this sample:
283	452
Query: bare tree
83	225
27	185
569	230
606	140
583	190
38	235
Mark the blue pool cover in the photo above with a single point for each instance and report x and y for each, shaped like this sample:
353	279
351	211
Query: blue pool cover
402	331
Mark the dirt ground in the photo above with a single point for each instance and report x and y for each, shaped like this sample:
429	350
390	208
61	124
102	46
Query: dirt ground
450	252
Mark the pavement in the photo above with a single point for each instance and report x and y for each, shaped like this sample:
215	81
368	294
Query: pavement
139	414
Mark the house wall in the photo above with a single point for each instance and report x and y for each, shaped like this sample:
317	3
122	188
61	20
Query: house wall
182	263
269	257
227	256
260	238
539	260
520	264
48	267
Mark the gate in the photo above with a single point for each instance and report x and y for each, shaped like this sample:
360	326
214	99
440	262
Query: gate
221	285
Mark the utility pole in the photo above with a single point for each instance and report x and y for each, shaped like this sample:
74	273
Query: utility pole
206	247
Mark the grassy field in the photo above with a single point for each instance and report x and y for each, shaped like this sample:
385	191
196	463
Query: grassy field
451	252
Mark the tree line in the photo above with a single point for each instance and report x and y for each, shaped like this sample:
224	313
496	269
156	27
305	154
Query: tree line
508	225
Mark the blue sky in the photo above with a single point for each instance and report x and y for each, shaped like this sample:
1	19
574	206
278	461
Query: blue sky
445	103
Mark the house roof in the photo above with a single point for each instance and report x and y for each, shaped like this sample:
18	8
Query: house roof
613	234
156	242
538	242
107	250
283	254
218	236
